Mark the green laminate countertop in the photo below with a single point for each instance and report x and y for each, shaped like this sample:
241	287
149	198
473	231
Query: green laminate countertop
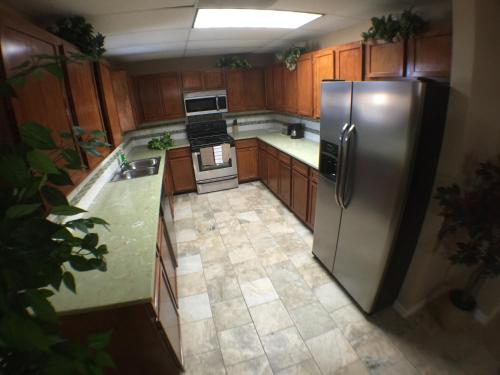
131	207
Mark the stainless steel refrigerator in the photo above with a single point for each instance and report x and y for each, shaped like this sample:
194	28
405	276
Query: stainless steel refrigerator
379	147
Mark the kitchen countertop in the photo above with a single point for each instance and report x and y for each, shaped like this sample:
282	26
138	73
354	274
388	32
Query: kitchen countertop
131	207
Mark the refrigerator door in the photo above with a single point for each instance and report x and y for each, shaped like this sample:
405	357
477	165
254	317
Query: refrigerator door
335	115
378	149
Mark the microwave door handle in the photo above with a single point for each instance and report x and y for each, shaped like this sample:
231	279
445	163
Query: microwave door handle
351	132
217	103
340	161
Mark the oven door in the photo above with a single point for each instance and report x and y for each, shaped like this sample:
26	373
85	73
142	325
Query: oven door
202	173
200	105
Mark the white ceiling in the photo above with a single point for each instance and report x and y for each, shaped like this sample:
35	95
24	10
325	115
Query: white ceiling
152	29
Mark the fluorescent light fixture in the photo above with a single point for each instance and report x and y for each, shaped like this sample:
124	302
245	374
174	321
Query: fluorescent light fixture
254	18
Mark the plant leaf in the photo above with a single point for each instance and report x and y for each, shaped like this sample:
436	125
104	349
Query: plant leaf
37	136
15	171
69	281
78	131
41	162
54	196
20	210
54	69
41	306
100	341
90	241
22	333
60	179
67	210
72	158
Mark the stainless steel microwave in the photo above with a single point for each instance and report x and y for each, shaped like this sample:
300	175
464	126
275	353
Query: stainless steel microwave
205	102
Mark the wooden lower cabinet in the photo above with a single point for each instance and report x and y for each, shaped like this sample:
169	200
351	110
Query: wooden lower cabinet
311	207
263	175
300	186
181	166
285	178
273	171
247	159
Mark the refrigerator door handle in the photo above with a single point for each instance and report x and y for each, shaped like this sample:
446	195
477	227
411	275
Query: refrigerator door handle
340	162
345	166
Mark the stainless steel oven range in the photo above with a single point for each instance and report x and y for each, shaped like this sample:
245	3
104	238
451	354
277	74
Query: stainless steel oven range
213	153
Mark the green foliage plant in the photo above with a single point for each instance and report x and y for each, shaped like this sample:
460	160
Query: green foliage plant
472	220
290	57
392	28
78	31
37	254
233	62
163	143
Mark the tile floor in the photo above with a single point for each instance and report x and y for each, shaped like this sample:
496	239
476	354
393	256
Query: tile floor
254	301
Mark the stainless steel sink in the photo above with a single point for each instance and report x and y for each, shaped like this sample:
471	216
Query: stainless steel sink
138	168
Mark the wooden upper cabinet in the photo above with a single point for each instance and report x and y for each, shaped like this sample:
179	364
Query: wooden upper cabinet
278	85
385	60
324	68
254	91
192	81
349	62
84	100
108	102
305	94
171	95
132	88
429	53
213	79
236	92
149	91
269	87
123	100
290	90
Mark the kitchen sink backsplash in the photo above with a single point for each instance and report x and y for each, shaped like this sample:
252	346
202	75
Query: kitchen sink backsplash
247	121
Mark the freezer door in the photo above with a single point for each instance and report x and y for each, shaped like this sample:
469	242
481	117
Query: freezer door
378	149
335	109
326	226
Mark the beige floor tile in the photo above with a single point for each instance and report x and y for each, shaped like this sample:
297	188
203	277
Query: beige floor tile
315	275
248	217
240	344
377	351
312	320
308	367
331	296
222	288
271	256
331	351
285	348
283	273
189	264
209	363
354	368
196	307
221	267
256	366
249	271
193	283
258	292
231	313
270	317
199	337
295	294
279	226
347	314
241	253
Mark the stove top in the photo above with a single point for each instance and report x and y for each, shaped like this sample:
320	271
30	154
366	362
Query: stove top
208	134
210	141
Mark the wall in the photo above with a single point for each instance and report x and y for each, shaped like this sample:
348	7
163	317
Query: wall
186	63
472	134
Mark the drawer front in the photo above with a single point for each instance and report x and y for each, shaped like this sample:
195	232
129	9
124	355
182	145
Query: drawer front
284	158
300	167
272	151
313	175
244	143
168	317
179	152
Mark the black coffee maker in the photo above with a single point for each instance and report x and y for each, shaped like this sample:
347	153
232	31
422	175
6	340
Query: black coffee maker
296	131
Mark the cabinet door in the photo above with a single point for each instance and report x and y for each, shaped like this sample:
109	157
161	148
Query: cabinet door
349	62
285	180
313	188
213	79
324	68
290	88
247	160
429	54
254	89
192	81
132	89
171	95
167	258
123	100
385	60
273	171
305	105
279	97
182	170
168	317
235	90
150	97
84	100
269	85
263	163
300	185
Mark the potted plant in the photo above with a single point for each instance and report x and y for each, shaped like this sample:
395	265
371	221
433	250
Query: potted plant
394	27
472	221
290	57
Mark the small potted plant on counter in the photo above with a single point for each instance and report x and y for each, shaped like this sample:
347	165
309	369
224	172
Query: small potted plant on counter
163	143
472	223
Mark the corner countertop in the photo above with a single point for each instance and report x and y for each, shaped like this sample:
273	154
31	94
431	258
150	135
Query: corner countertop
131	208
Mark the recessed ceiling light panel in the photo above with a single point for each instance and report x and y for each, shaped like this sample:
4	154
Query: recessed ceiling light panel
253	18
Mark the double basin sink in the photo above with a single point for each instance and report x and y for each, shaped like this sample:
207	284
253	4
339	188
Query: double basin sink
138	168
